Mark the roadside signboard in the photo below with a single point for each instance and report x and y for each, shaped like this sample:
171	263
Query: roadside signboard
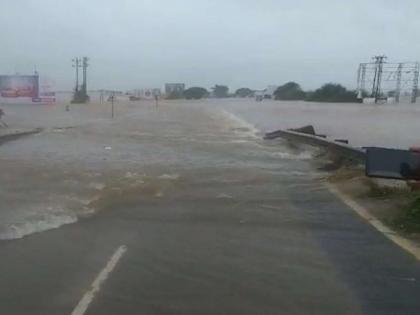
26	89
16	86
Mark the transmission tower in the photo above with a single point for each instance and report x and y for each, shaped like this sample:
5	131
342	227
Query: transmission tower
376	87
80	94
415	83
388	80
398	88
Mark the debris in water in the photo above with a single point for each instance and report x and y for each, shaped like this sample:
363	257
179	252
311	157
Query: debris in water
169	176
224	196
158	194
97	186
130	174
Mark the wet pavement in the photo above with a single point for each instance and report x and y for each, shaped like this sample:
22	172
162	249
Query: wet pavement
213	220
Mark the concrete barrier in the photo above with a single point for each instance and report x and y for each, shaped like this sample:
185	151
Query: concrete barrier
342	149
309	130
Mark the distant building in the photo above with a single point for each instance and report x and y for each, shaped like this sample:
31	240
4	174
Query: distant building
259	95
174	88
269	91
145	94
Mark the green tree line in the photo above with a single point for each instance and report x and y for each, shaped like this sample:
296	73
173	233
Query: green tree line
330	92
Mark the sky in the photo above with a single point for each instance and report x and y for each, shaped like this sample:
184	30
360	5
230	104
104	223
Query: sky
239	43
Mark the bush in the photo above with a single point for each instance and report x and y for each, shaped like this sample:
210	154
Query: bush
289	91
220	91
332	93
243	92
409	220
195	93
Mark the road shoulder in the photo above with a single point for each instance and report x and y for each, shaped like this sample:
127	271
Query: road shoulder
355	190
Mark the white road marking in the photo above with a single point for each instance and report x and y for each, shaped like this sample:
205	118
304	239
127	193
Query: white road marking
406	244
84	303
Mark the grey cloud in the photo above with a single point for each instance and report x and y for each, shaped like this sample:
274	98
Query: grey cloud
235	42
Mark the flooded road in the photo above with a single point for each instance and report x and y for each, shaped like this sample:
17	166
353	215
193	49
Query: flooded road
58	175
83	155
211	218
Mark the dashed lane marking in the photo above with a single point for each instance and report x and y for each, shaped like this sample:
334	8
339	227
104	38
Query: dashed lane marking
88	297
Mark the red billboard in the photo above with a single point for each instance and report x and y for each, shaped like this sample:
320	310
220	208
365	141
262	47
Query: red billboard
13	86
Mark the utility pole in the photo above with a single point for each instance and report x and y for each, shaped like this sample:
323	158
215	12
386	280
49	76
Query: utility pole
101	96
76	64
398	88
376	88
85	65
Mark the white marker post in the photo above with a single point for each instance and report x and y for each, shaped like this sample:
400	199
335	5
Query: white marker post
112	104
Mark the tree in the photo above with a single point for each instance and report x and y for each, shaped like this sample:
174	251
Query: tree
332	92
220	91
195	93
174	95
289	91
243	92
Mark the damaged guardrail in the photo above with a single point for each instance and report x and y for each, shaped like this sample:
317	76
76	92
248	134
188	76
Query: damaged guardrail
379	162
17	134
338	147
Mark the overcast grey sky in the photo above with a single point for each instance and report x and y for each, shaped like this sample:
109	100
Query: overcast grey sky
145	43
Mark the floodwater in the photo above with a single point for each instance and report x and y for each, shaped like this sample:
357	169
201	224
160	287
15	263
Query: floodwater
84	161
387	125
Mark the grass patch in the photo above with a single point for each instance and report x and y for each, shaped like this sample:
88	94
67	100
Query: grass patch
409	220
378	191
346	174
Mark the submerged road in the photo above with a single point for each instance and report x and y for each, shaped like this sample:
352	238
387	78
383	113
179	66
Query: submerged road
230	225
